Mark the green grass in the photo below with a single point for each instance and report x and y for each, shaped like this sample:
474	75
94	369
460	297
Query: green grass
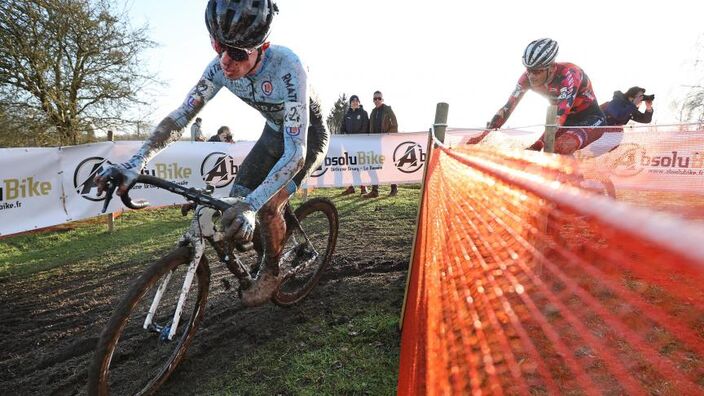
323	355
357	357
87	244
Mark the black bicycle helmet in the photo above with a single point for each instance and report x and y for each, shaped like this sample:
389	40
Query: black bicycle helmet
540	53
243	24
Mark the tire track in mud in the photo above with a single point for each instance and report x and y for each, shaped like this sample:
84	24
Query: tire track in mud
50	323
37	327
233	335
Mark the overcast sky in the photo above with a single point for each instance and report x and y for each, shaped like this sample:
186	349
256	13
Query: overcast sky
421	52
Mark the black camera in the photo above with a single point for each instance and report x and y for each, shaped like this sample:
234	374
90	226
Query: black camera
648	98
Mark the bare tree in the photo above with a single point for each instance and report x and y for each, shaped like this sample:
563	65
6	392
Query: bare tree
337	113
72	65
691	106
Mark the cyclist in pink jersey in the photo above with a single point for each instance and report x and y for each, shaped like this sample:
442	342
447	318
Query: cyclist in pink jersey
564	85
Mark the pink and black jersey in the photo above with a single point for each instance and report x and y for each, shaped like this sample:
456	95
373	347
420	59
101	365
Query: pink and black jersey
570	89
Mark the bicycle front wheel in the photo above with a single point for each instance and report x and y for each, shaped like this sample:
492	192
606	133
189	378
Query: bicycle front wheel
134	355
307	253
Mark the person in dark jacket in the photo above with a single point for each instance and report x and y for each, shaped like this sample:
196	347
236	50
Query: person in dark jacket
355	120
382	120
624	107
223	135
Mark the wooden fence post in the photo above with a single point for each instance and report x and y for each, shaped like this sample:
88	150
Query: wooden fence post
550	129
440	123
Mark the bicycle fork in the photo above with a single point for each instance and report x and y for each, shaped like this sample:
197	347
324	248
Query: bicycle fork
167	332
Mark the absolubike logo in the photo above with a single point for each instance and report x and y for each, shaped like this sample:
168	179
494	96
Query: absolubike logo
218	169
359	161
84	176
409	157
631	159
13	191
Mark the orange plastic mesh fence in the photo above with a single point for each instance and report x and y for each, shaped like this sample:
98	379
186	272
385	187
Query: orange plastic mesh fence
524	283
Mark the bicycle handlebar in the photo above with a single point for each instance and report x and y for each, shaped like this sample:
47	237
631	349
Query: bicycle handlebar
192	194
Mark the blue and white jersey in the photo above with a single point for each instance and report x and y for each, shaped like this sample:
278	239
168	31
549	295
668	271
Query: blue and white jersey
279	91
281	78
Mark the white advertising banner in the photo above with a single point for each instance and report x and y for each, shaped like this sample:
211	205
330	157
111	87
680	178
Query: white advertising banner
372	159
185	163
40	187
30	189
659	161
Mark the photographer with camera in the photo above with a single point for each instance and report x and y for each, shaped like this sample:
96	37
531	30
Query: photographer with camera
624	107
223	135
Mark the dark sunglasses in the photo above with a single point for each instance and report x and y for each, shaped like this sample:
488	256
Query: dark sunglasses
536	71
236	54
375	99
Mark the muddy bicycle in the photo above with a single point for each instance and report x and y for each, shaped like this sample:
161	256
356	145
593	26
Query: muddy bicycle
153	325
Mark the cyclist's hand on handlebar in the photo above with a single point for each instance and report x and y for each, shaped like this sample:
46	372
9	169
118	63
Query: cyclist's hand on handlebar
495	122
239	221
478	138
125	172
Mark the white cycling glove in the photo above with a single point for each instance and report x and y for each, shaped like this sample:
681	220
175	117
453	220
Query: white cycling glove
129	171
239	221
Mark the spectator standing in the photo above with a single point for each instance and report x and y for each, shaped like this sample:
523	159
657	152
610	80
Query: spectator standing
355	121
382	120
223	135
196	132
624	107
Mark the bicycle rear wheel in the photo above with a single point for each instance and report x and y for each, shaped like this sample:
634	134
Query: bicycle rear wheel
306	259
132	360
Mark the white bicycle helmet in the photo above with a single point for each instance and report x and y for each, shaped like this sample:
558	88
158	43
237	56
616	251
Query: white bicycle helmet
540	53
243	24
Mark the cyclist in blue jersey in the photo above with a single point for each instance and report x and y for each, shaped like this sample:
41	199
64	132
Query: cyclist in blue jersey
273	80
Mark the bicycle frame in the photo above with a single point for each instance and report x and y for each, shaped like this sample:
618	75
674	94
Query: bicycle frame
203	228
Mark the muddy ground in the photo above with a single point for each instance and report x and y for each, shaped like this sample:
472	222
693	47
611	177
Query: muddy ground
49	325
